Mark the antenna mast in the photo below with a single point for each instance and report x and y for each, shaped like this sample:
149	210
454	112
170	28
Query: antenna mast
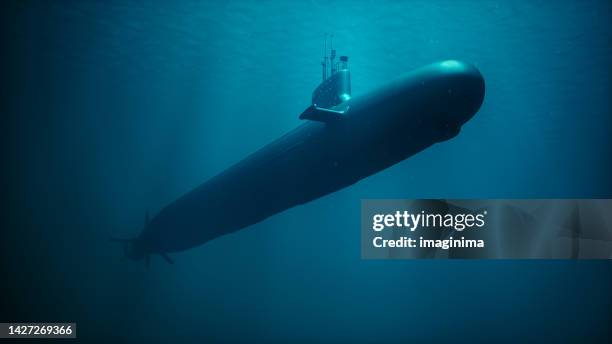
333	55
324	63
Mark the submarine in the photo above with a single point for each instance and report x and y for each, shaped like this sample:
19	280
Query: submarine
343	139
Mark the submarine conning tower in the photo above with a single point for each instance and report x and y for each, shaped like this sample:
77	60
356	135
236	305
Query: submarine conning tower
334	89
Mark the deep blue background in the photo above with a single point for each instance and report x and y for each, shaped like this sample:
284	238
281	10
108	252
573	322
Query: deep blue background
113	108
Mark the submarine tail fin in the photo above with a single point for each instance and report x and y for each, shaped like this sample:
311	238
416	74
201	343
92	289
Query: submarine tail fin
167	258
315	113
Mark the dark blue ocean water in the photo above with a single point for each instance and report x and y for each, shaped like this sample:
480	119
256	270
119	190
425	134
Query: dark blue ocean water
119	107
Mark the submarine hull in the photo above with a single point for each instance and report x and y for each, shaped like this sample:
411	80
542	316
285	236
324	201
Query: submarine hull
375	131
